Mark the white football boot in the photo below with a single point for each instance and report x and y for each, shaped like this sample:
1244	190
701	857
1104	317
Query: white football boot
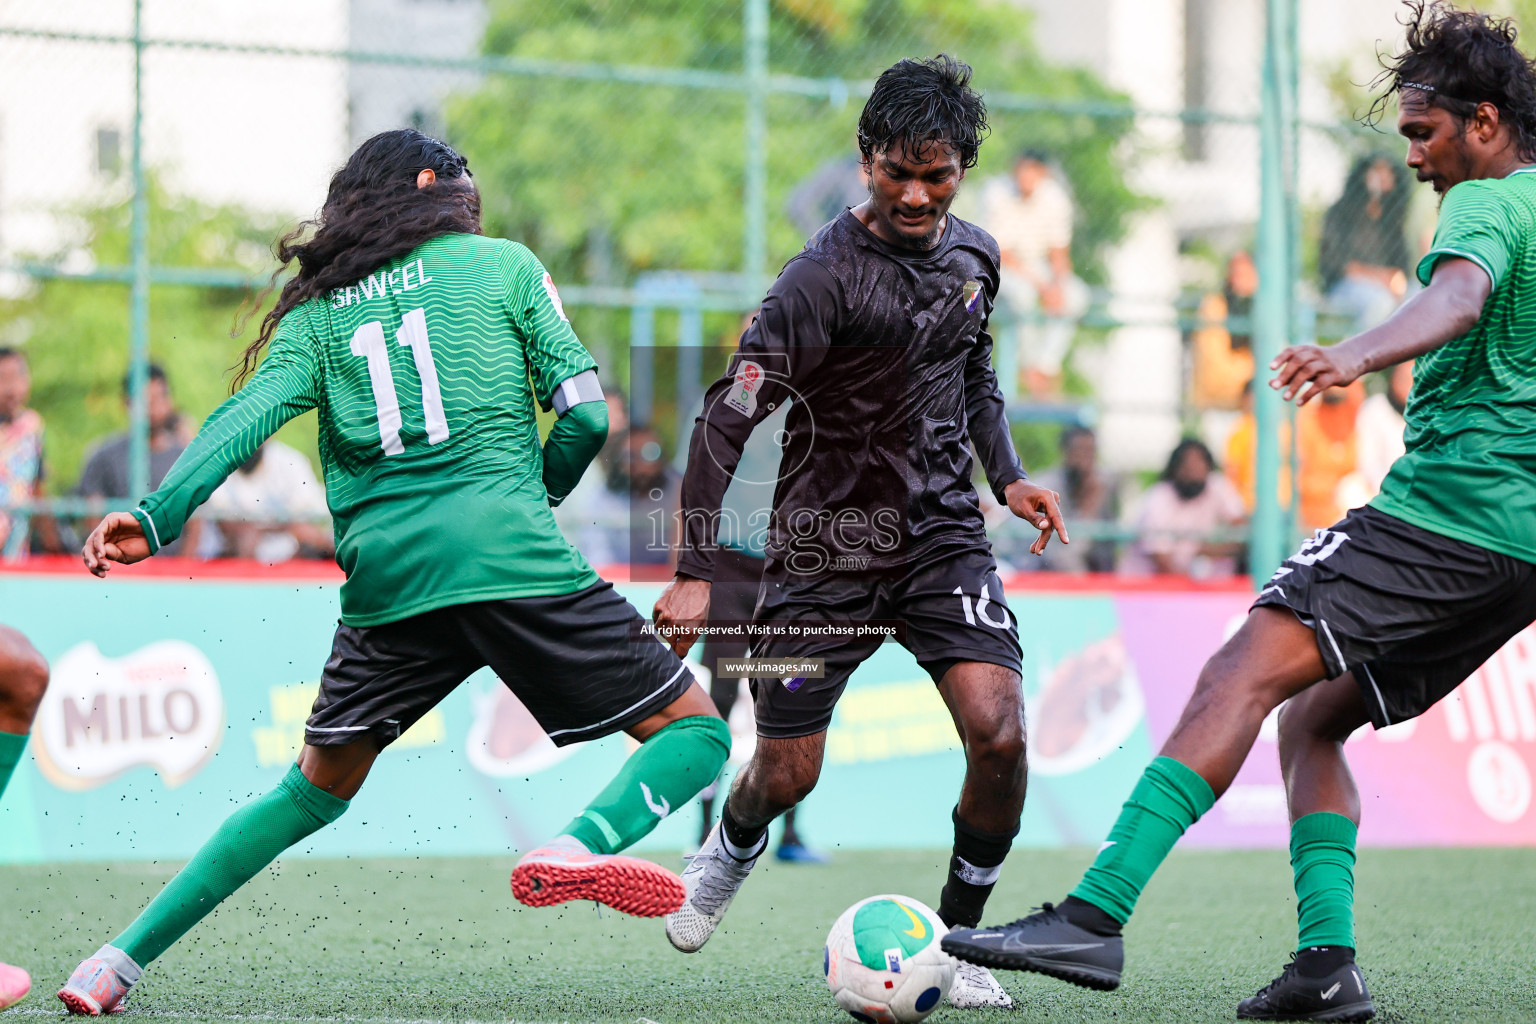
974	988
711	880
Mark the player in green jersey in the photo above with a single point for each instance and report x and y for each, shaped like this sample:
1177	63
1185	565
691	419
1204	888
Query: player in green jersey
424	346
1381	615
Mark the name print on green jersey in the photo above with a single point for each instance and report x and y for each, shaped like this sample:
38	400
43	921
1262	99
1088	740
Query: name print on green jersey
383	283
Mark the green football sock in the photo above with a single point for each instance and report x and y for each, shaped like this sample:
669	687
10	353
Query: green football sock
11	748
1169	798
248	841
663	775
1323	857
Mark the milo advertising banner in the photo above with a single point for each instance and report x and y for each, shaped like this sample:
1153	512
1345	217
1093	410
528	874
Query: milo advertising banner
173	701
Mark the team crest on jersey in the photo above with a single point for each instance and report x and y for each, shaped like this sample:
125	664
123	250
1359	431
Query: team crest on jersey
972	293
743	393
554	296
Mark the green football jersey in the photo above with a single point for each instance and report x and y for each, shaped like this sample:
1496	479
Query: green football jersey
1470	467
424	374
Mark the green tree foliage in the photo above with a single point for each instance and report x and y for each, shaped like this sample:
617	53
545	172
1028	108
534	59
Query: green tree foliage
607	180
75	333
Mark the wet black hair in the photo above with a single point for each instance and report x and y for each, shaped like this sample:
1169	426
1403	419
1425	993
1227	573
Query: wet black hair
919	104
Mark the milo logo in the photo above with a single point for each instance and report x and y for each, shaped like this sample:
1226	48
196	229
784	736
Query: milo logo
159	706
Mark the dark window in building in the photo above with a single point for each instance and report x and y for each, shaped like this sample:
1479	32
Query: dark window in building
109	151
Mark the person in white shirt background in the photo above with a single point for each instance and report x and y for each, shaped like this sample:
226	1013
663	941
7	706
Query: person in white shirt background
1030	215
281	506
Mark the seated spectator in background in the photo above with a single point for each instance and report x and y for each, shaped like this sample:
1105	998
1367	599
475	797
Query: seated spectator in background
1242	451
1222	354
1363	254
105	476
1088	494
595	516
1031	218
1190	499
1325	431
21	453
1379	430
279	503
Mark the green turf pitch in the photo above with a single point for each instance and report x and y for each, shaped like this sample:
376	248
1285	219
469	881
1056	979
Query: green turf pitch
1447	935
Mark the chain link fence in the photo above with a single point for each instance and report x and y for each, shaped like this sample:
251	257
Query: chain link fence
664	158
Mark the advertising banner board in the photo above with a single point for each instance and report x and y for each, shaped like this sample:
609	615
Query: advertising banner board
175	700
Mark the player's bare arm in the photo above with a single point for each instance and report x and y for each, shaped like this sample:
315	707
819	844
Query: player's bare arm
1444	311
117	538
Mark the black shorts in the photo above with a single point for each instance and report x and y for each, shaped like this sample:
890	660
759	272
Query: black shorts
1411	613
576	661
949	611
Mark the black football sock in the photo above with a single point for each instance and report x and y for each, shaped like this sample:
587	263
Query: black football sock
1321	961
740	842
974	865
1086	915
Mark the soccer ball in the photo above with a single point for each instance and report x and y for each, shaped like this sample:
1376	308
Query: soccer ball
883	962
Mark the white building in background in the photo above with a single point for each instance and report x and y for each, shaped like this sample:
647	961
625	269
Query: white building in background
264	132
1166	55
383	95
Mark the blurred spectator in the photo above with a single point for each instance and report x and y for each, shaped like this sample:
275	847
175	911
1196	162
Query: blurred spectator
1379	429
21	452
1325	432
105	475
1223	356
1242	450
1363	255
1031	218
279	501
1192	498
595	515
1088	494
826	192
654	492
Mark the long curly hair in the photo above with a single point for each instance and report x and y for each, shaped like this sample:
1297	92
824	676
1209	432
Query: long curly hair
373	212
1466	58
923	103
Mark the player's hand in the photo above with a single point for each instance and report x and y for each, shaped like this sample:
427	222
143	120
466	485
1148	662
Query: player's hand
117	538
684	607
1039	507
1302	365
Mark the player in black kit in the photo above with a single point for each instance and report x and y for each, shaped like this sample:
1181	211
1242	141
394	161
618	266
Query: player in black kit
877	333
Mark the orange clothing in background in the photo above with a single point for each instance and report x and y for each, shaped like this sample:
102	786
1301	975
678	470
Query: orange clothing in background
1220	371
1327	450
1326	456
1242	450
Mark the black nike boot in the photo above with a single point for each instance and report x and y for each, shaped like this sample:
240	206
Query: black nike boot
1320	984
1075	942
